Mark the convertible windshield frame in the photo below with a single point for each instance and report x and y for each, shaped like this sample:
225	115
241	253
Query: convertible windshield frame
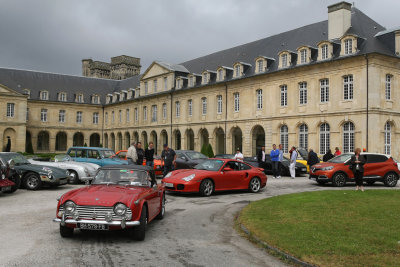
129	177
17	158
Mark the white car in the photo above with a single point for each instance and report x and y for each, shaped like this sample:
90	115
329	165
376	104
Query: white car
78	171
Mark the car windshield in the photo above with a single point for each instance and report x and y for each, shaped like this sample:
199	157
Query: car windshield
107	153
122	176
196	155
17	158
210	165
225	156
62	158
341	158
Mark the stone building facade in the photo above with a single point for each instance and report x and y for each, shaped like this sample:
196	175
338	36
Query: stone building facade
320	86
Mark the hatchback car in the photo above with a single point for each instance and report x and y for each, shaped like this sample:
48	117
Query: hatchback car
378	168
188	159
96	155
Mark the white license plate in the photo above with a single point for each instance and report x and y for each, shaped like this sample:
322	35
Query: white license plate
169	185
304	169
92	226
5	189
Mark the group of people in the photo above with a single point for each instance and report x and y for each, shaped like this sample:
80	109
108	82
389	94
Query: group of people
276	155
136	155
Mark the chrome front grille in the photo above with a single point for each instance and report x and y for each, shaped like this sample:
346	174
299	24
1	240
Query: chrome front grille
96	212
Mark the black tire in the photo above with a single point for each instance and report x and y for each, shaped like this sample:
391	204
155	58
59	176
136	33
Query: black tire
339	179
66	231
255	185
138	233
206	188
32	181
73	177
390	179
370	182
160	215
17	181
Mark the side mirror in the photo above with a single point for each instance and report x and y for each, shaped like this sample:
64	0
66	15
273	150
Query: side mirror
227	169
11	164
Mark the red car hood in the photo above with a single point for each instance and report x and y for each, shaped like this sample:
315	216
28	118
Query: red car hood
103	195
179	174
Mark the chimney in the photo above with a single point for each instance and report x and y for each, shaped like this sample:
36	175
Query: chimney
339	19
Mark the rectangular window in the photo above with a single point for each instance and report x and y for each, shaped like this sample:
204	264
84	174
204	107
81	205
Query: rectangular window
236	102
136	114
96	118
128	117
106	118
324	51
165	83
204	106
205	78
145	113
146	88
61	116
284	60
43	115
120	116
79	98
177	109
388	87
178	83
237	71
44	95
324	88
96	99
164	111
220	75
112	116
154	113
219	104
190	107
260	64
10	110
348	46
303	56
284	100
191	83
303	93
62	97
348	87
155	86
259	99
79	117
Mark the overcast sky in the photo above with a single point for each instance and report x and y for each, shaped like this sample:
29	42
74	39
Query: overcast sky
54	36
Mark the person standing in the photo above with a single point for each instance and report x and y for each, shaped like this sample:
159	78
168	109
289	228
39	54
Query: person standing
280	160
337	152
328	156
131	155
357	162
168	159
312	158
239	155
8	146
261	158
275	161
292	166
149	155
140	154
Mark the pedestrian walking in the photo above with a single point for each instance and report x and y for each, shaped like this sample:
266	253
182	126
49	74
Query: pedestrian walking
337	152
239	155
292	166
149	155
168	159
140	154
357	162
274	160
280	160
131	155
328	156
261	158
312	158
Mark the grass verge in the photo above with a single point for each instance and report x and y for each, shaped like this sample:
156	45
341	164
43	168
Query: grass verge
330	228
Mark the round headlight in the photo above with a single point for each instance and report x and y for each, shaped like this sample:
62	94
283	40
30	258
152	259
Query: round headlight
168	175
120	209
69	206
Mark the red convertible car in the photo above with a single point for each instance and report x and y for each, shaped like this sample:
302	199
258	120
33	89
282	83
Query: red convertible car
119	197
216	175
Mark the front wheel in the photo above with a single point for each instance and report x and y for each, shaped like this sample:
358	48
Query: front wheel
32	181
73	177
390	179
206	188
254	185
339	180
66	231
138	233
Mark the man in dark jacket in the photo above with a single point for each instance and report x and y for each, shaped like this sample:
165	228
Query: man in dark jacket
149	154
261	157
140	154
312	158
168	159
327	156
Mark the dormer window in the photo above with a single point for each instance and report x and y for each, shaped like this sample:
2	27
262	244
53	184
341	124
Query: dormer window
109	98
324	51
348	46
27	92
303	56
79	98
238	70
44	95
260	65
191	81
62	97
205	78
220	74
96	99
179	83
284	61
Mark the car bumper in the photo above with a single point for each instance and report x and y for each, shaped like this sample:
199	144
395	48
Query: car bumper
119	224
57	181
182	187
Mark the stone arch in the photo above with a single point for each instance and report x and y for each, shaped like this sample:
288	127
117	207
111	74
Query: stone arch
127	139
9	140
189	135
112	141
204	137
106	140
119	141
153	138
143	139
43	141
61	141
177	140
237	139
219	136
78	139
258	139
94	140
28	141
164	137
135	137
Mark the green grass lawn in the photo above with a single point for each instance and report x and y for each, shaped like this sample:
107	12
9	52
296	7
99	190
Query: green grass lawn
331	228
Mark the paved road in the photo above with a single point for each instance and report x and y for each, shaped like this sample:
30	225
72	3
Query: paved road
196	231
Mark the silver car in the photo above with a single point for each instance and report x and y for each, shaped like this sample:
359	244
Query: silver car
78	171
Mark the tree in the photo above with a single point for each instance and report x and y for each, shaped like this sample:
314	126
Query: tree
204	149
29	147
210	152
85	145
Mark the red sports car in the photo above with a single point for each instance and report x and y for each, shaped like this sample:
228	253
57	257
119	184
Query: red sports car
120	197
216	175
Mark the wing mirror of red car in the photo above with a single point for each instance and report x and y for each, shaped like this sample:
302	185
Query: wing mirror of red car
227	169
